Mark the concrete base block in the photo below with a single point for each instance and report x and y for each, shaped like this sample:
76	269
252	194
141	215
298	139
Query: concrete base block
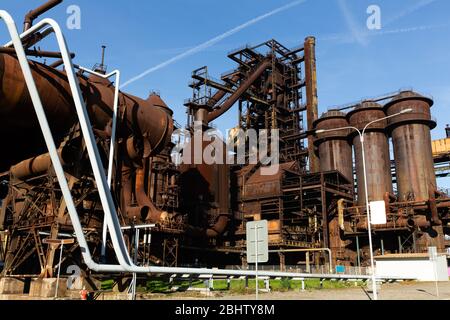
45	288
11	286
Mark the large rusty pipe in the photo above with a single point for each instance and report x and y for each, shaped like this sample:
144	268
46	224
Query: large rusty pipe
32	15
40	164
220	93
133	213
144	201
312	110
417	221
148	123
33	166
35	53
433	209
240	91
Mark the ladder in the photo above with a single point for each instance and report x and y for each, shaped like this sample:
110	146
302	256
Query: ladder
39	250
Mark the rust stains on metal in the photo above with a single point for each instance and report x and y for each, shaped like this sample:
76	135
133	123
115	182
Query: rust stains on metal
379	178
311	99
34	14
335	151
411	138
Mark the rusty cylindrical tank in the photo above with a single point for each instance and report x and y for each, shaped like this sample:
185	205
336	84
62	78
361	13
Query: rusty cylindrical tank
335	151
205	192
411	138
150	124
378	163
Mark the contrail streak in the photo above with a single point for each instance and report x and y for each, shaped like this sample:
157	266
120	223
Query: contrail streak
351	23
211	42
410	10
345	38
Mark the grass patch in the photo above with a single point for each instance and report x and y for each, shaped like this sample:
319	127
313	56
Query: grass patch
107	285
236	286
159	286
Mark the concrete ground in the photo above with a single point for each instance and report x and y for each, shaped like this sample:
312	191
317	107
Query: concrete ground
394	291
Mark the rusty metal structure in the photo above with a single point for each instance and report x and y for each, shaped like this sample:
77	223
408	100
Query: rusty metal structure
417	213
377	150
274	88
314	203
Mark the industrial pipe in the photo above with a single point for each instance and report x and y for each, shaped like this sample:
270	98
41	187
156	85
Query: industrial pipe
220	93
34	14
144	201
311	99
433	208
416	221
35	53
240	91
37	165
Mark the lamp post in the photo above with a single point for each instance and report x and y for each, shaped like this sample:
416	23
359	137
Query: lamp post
369	227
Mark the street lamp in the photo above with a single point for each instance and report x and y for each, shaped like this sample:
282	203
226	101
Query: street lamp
369	228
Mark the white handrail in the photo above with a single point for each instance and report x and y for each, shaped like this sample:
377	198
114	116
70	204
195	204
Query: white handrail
105	194
113	140
115	114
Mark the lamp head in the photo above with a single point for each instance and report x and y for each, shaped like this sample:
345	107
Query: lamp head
406	111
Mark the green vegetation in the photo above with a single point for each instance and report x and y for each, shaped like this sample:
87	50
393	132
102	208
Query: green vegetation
236	286
107	285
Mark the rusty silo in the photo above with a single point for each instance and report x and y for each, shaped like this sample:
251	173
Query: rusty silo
378	163
411	137
335	151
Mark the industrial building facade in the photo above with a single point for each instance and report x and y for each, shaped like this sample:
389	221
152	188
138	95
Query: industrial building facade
315	204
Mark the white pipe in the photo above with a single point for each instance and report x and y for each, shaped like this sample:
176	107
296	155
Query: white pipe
105	197
123	257
114	120
113	141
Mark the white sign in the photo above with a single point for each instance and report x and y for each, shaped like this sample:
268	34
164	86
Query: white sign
257	242
378	212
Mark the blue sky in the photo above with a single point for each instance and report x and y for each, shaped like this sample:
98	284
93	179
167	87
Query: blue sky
411	49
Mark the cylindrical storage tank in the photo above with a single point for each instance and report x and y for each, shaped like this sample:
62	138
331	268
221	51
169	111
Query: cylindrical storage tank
335	151
411	137
376	146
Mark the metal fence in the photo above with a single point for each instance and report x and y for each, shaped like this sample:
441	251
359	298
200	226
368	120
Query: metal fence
322	269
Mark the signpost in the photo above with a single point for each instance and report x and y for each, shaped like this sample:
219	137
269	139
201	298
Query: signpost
432	251
137	229
257	245
58	242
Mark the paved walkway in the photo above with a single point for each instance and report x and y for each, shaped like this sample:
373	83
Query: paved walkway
395	291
